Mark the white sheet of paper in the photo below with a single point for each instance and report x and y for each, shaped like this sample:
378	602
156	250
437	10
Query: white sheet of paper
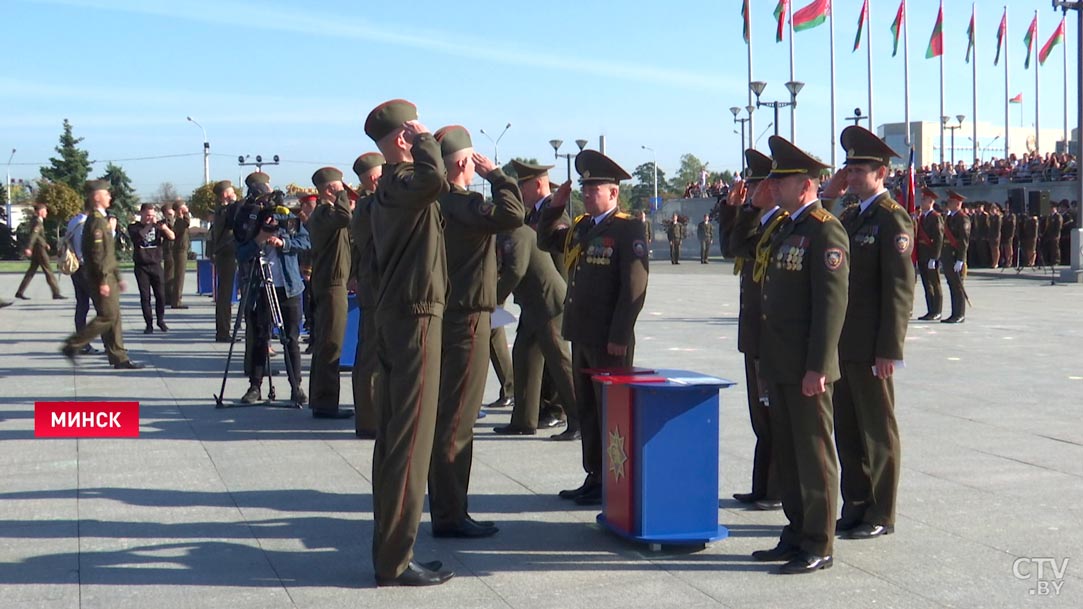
501	317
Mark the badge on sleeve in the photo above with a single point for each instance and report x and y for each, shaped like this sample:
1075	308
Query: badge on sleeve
639	248
902	242
833	258
486	208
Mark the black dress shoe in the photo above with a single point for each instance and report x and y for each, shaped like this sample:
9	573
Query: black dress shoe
5	303
549	422
432	565
88	350
845	526
180	306
148	330
22	297
929	317
465	529
567	435
767	505
480	523
953	320
747	497
163	327
298	397
59	297
416	575
365	434
869	531
128	365
341	413
575	492
221	339
592	496
505	402
69	352
511	430
806	563
783	552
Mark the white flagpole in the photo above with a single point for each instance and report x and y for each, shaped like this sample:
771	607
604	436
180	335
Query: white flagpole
1007	89
906	71
942	115
793	107
834	147
1034	47
751	115
1064	43
974	68
868	56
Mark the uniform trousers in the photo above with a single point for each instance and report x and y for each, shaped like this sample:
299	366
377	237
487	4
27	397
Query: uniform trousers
588	400
330	330
500	357
225	268
363	377
934	296
540	350
105	324
764	477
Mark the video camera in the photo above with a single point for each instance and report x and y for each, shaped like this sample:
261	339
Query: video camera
257	208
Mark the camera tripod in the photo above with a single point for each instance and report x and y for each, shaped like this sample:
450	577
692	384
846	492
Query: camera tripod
249	301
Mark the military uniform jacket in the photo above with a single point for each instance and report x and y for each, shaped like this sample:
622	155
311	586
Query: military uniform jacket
364	252
930	237
1051	233
329	230
225	245
408	233
607	278
881	281
956	237
995	222
675	232
1007	228
181	237
471	224
36	241
705	231
530	274
804	298
533	217
99	251
745	233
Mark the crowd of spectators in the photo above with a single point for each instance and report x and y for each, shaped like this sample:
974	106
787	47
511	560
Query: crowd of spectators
1031	167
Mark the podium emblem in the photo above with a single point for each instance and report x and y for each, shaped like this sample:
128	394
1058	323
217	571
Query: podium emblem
617	456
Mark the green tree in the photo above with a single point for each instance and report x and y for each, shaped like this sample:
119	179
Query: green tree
73	166
689	172
62	202
8	248
639	195
125	202
509	169
202	202
166	193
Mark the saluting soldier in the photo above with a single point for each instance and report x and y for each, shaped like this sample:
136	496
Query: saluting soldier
1051	237
102	277
37	250
1028	241
1008	239
675	234
535	186
180	252
953	256
369	168
803	306
328	227
930	234
881	296
470	235
411	266
754	225
168	259
225	258
607	287
705	234
995	221
306	205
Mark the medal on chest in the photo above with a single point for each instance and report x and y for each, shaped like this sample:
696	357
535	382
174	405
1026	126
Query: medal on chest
791	254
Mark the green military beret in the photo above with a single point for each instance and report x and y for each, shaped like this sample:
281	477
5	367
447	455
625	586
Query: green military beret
257	177
366	162
93	185
595	167
326	175
221	187
757	165
527	171
862	146
387	117
453	138
787	160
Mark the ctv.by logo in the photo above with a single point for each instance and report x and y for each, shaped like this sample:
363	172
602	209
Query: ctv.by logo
1047	573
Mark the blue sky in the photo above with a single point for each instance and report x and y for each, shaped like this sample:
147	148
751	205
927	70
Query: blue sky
296	78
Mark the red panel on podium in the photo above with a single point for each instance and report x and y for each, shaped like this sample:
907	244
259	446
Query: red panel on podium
621	458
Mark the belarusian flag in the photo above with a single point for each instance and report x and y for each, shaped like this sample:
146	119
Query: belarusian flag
1018	99
744	18
970	34
780	16
861	19
1054	40
936	41
897	26
812	15
1003	29
1032	33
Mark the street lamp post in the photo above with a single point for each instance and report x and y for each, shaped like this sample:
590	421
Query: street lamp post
944	120
206	152
654	162
7	185
1076	272
556	144
737	110
793	86
857	118
496	143
243	161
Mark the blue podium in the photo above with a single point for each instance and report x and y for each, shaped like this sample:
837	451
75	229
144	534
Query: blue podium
349	341
660	456
204	277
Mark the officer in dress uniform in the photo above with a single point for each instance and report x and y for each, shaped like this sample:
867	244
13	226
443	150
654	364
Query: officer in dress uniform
705	234
953	256
225	258
803	306
675	234
930	236
607	258
880	300
369	168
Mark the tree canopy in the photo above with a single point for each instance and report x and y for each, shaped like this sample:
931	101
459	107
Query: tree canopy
125	201
73	166
202	202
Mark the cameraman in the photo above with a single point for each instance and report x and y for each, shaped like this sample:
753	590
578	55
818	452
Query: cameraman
277	236
147	235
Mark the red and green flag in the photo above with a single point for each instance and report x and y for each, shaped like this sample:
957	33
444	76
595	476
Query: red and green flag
970	35
861	20
936	41
780	17
747	23
1054	40
1001	31
1029	40
897	26
812	15
1018	99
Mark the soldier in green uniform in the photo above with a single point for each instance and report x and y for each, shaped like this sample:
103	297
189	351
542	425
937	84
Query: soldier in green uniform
607	257
225	258
675	234
103	278
328	228
411	267
369	168
803	305
880	300
757	220
705	234
930	236
471	225
953	256
180	252
37	250
168	259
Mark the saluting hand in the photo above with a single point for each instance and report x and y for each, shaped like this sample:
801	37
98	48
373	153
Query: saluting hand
837	184
737	194
562	195
764	197
483	165
412	129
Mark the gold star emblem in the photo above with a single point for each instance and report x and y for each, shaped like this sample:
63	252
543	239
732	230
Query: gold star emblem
617	456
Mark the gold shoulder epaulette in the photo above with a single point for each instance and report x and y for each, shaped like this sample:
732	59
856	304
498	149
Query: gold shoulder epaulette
889	204
623	216
579	219
821	214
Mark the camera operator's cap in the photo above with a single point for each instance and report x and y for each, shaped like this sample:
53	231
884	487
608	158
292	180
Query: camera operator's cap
367	162
94	185
221	187
788	160
757	165
954	196
326	175
388	117
453	138
528	171
257	177
594	168
862	146
929	192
